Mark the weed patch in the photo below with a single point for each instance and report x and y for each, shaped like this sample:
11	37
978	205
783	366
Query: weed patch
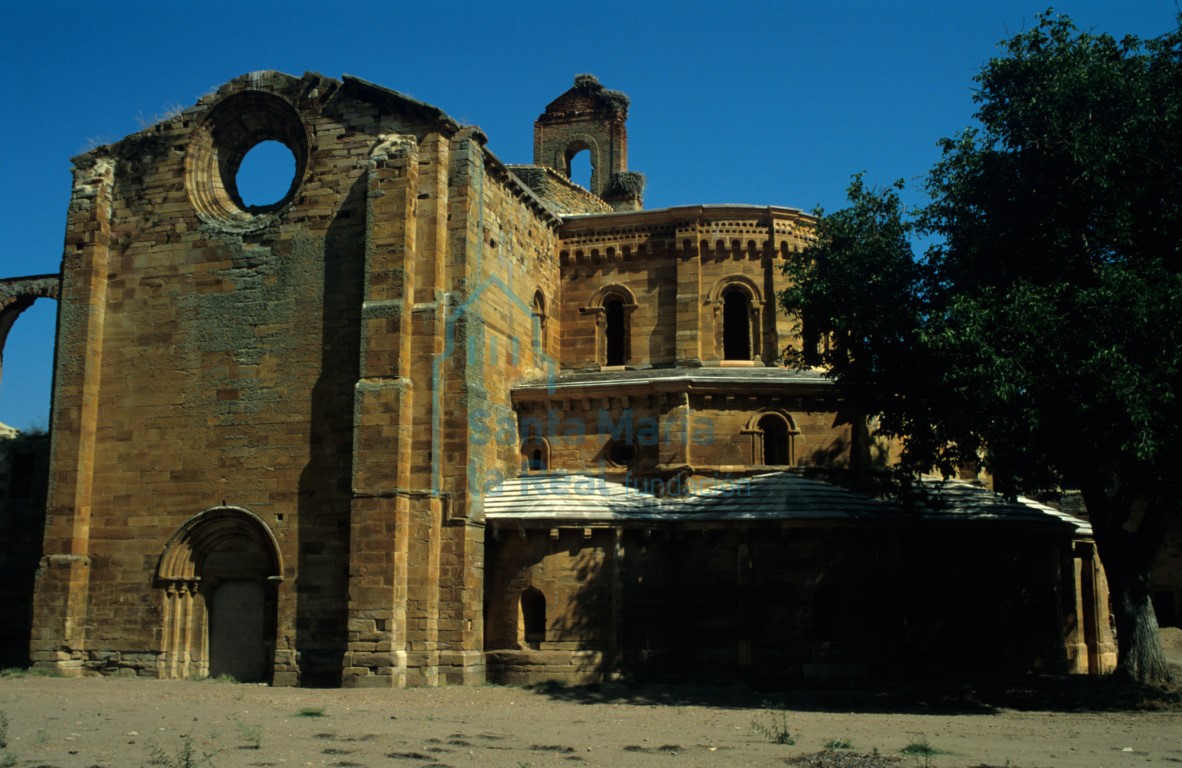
774	728
184	754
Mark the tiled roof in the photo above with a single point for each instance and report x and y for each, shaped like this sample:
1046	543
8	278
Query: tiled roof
568	497
701	377
786	496
961	500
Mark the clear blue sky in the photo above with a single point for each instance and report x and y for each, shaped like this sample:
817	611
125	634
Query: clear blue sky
752	102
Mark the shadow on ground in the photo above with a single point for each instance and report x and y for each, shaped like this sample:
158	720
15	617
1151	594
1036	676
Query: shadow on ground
1059	694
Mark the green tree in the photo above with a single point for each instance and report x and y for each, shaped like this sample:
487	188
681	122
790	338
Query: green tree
856	289
1048	316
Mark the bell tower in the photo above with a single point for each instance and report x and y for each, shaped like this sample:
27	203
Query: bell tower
592	118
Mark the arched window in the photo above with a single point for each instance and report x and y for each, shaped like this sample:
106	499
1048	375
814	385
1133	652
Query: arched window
535	455
615	330
739	333
533	616
538	312
736	325
612	307
774	433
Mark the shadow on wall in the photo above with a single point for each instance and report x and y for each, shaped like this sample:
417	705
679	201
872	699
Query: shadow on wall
24	475
590	619
325	491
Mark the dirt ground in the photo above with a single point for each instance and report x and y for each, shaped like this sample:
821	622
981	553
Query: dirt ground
121	723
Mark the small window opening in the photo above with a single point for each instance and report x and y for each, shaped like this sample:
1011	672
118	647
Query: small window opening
265	174
775	441
615	328
736	326
535	455
538	310
621	453
579	168
533	616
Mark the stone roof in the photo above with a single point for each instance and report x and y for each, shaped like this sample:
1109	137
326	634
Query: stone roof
555	498
704	378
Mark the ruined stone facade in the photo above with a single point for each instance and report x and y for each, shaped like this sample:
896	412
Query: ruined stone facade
288	440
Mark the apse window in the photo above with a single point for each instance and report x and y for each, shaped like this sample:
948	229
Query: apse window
776	437
736	319
265	175
616	332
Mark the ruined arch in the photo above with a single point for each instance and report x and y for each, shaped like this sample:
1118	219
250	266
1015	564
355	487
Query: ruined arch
17	295
585	117
219	574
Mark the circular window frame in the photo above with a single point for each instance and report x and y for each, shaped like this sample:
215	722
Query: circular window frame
233	127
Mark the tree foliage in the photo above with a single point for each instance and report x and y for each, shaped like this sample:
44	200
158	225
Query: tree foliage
1043	331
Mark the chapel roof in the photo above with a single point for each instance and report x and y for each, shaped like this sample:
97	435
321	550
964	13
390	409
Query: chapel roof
789	496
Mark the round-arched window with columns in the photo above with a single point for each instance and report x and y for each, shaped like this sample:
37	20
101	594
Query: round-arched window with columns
773	439
738	319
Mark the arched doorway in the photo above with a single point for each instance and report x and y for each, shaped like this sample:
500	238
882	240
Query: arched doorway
219	574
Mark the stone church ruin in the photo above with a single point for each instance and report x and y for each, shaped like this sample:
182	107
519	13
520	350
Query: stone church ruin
435	419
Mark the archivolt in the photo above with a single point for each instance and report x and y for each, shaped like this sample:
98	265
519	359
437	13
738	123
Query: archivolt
200	535
744	283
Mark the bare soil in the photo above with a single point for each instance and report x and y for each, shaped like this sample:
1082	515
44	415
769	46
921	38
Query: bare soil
1033	723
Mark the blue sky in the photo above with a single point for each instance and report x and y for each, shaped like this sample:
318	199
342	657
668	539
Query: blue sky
750	102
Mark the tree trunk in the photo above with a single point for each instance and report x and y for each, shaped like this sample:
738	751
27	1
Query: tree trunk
1127	543
1139	652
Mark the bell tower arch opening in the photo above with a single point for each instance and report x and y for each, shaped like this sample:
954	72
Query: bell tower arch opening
580	166
589	121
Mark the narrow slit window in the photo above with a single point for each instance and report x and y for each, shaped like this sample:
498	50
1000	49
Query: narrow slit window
533	616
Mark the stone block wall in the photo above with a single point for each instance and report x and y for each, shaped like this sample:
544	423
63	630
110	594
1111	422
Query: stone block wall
673	267
777	602
317	364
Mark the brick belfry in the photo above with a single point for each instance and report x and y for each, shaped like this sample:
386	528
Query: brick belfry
433	419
